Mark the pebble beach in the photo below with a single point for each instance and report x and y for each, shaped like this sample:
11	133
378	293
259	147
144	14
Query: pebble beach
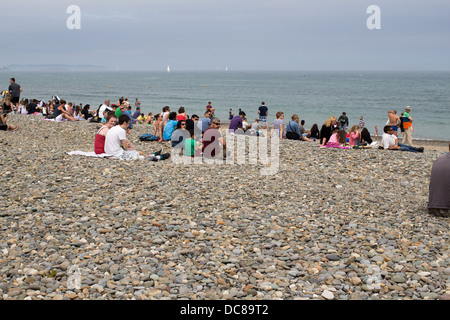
331	224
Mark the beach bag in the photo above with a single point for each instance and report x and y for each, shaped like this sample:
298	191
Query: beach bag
292	135
148	137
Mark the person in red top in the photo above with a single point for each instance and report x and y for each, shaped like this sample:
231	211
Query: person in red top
181	114
99	144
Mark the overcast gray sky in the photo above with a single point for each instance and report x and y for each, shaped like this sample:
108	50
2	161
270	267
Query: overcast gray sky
241	34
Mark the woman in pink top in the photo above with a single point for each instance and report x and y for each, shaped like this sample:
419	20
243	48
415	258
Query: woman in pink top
100	137
181	114
354	138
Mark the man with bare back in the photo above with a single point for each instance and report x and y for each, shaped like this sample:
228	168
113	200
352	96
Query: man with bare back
394	121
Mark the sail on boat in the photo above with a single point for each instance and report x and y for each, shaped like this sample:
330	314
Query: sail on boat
168	69
226	69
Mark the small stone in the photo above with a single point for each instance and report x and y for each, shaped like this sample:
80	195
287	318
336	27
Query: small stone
333	257
328	295
398	279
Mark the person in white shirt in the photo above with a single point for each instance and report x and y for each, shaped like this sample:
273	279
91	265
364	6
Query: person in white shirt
116	138
390	142
104	107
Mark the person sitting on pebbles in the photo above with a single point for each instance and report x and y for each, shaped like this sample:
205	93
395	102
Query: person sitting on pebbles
390	142
3	119
118	145
439	189
100	137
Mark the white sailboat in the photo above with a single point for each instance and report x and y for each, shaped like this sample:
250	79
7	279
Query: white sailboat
168	69
226	69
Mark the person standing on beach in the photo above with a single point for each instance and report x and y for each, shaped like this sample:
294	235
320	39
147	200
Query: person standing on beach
230	114
263	112
343	121
362	122
137	104
394	121
14	91
407	126
439	189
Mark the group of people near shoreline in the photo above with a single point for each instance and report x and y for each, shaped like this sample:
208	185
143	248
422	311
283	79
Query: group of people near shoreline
333	132
118	119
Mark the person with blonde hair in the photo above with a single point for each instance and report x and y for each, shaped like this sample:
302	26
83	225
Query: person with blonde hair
327	129
354	138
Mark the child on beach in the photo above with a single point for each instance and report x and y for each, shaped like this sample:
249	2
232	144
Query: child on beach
150	119
337	139
192	148
354	136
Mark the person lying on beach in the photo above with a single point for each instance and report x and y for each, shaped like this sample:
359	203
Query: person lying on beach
439	189
118	145
100	137
3	120
390	142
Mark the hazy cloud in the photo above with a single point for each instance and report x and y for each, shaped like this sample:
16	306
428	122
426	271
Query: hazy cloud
201	34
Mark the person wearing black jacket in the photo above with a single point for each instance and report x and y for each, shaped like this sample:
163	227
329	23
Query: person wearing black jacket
85	112
327	129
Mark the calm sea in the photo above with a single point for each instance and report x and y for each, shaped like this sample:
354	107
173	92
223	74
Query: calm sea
313	95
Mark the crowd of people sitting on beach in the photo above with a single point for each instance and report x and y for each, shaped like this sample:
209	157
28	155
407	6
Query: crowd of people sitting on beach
333	133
